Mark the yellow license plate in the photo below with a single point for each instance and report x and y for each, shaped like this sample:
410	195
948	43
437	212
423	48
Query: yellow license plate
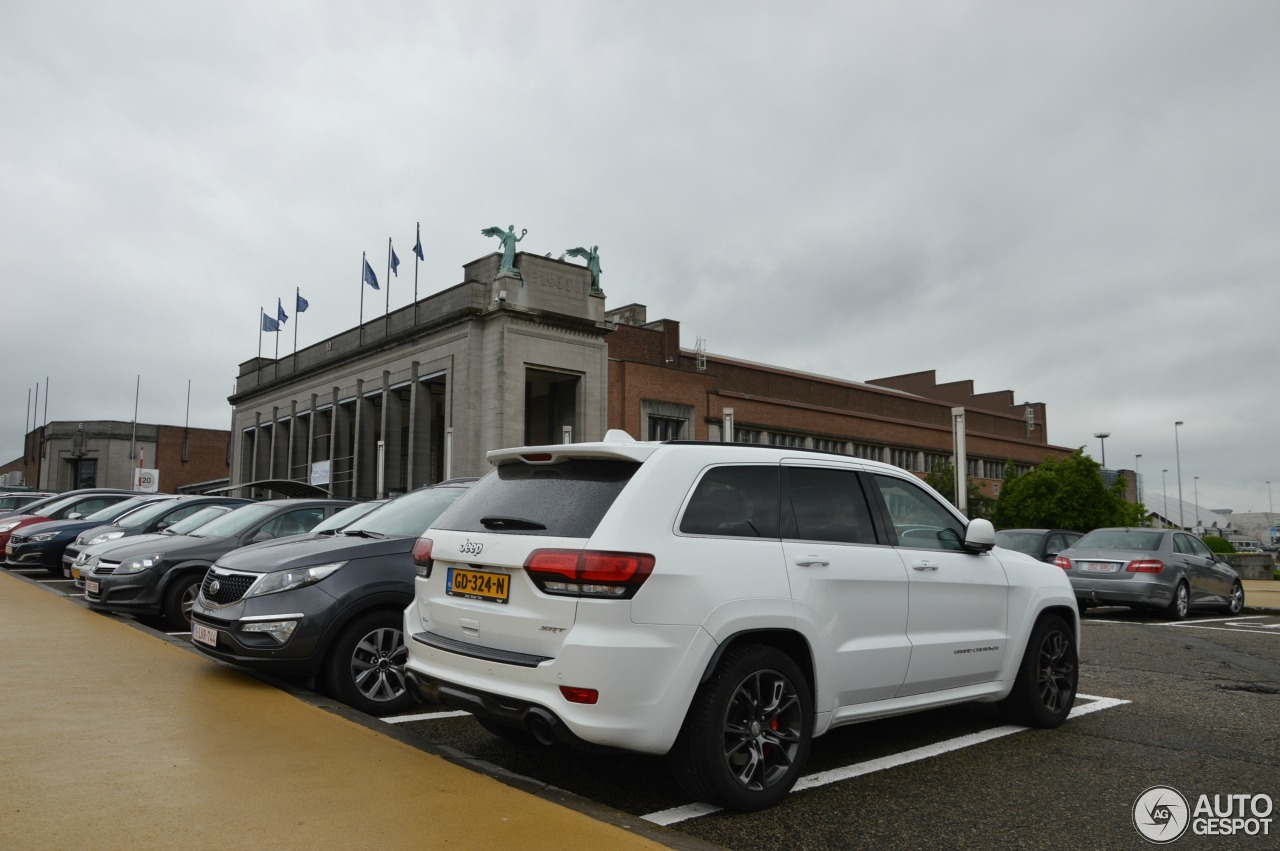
479	585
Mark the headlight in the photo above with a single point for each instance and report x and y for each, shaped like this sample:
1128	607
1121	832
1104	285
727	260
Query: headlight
137	564
103	538
279	630
43	536
5	527
285	580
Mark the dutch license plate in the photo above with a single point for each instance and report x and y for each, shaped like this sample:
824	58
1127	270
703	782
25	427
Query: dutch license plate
90	586
204	634
479	585
1097	567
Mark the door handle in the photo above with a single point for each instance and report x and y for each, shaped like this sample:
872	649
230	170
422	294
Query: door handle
924	565
811	561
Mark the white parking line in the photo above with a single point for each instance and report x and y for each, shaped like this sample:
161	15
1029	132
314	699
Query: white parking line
1259	629
425	716
822	778
1213	620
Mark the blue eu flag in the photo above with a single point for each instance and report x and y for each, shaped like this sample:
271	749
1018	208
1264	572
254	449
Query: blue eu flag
303	304
370	278
417	247
269	324
395	263
281	316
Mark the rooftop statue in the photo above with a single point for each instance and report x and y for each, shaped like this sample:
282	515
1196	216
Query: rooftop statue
508	239
593	264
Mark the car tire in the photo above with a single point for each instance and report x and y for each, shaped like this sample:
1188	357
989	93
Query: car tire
1180	604
365	666
1045	688
179	598
748	732
1235	602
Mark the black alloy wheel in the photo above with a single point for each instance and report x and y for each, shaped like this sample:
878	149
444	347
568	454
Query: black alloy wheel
179	599
1045	688
748	732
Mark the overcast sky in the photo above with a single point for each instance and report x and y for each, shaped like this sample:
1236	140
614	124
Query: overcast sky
1079	202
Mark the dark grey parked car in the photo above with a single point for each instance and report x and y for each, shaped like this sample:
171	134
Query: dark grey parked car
1041	544
1164	569
162	577
330	608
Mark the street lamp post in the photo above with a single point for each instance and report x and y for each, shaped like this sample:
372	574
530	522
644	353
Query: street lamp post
1177	453
1137	477
1195	485
1271	506
1164	486
1102	439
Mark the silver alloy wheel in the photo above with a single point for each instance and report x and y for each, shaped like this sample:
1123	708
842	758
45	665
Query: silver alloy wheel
188	601
1236	603
377	664
1182	599
762	730
1057	671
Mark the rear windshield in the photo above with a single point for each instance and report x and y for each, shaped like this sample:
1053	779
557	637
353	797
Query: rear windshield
565	500
1120	539
1023	542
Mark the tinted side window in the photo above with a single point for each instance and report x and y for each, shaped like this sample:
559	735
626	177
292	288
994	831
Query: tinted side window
737	502
920	520
566	500
1199	548
827	505
1182	544
293	522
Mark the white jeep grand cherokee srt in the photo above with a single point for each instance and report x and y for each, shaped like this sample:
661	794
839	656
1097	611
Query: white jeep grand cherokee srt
724	604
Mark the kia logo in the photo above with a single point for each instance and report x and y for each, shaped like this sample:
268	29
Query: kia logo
471	548
214	586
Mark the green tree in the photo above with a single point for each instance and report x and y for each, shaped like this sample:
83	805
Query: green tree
1218	544
943	480
1065	493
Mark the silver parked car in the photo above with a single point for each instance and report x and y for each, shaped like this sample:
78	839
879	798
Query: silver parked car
1164	569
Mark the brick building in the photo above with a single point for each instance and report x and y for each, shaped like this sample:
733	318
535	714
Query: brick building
66	455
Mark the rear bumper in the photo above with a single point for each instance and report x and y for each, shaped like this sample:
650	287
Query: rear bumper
1127	592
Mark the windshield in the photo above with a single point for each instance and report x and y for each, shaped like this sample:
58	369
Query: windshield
187	525
407	516
144	515
1121	539
347	516
46	508
235	522
1023	542
111	512
35	507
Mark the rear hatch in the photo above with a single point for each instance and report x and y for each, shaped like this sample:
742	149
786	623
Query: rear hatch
537	509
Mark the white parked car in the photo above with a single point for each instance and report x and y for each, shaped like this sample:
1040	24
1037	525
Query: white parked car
724	604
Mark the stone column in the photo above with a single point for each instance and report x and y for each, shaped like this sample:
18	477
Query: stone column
420	471
393	472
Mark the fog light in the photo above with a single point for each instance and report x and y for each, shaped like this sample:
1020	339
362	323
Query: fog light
279	630
575	694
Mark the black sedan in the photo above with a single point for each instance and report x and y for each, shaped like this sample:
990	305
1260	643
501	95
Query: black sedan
330	609
156	517
1041	544
162	577
1167	570
42	544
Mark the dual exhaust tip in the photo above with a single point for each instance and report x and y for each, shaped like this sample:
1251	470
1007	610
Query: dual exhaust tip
538	722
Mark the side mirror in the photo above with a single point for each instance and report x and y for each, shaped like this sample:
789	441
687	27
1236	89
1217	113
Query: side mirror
74	515
261	535
979	536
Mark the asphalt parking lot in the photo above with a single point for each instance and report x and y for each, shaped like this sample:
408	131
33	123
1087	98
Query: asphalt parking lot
1193	705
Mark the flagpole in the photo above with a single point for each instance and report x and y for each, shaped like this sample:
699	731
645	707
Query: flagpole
262	313
363	262
297	293
277	375
417	244
386	322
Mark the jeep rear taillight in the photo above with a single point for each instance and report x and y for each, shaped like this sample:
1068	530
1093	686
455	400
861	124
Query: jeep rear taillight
1145	566
422	562
588	573
1062	562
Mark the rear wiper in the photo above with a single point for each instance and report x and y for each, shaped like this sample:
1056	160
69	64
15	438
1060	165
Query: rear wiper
510	523
363	533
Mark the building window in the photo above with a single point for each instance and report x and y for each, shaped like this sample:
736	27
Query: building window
868	452
747	435
84	473
782	439
971	468
934	462
904	458
823	445
665	428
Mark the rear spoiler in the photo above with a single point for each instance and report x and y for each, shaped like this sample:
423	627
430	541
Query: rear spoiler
616	446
